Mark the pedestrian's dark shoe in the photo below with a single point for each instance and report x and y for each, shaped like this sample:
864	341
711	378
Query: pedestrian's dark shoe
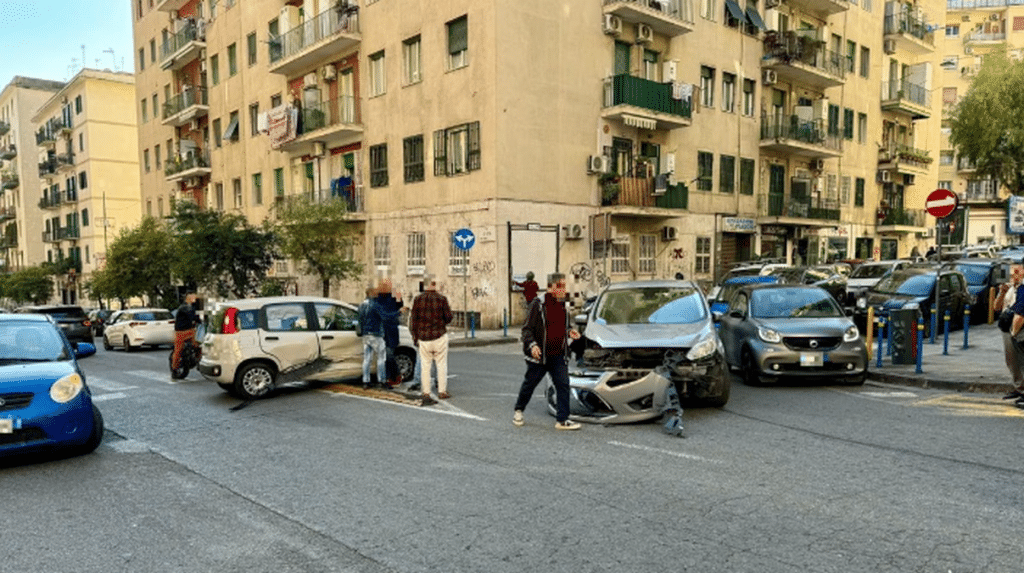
366	385
1013	395
427	400
444	395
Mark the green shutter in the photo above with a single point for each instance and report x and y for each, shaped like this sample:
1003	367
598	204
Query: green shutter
458	35
621	58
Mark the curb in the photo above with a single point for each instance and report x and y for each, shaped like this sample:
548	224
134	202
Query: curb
471	342
936	384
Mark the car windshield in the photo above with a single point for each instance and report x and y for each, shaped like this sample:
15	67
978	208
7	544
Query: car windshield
975	274
906	284
788	275
870	271
793	303
23	341
652	305
727	290
154	315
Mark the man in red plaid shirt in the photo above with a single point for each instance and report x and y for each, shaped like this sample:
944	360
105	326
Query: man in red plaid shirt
427	323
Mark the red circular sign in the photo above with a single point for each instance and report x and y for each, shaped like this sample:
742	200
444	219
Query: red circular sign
941	203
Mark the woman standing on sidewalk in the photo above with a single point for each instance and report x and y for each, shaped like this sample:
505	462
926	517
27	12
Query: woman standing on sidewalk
1014	357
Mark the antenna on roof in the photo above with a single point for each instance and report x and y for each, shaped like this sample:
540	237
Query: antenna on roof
113	58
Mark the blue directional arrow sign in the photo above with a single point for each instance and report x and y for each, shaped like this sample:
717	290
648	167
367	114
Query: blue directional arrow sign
464	239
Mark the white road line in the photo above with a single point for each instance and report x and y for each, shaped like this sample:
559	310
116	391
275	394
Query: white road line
108	385
439	408
664	452
128	446
877	396
105	397
164	377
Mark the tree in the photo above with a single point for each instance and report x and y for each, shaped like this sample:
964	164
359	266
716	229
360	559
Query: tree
33	284
320	237
139	263
987	126
220	251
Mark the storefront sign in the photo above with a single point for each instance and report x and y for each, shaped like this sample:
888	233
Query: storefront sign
1015	215
738	225
774	230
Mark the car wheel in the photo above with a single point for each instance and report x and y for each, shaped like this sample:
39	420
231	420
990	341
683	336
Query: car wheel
751	371
720	399
126	344
106	343
406	361
254	380
97	432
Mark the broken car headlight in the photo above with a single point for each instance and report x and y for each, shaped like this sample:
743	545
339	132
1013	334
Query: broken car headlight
702	349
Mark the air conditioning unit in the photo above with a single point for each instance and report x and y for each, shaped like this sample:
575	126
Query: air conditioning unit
329	73
889	46
309	81
968	50
884	177
817	164
612	25
597	164
768	4
202	66
644	34
668	233
573	232
669	71
769	77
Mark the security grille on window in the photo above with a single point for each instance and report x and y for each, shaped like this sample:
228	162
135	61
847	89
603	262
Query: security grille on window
458	43
457	149
646	257
412	148
379	165
702	260
382	252
416	253
620	258
458	259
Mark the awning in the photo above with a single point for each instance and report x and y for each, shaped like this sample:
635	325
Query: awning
755	18
641	122
735	10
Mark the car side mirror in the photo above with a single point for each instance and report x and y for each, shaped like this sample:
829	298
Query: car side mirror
716	315
83	349
580	319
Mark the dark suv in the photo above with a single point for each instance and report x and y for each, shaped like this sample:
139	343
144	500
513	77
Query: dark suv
71	319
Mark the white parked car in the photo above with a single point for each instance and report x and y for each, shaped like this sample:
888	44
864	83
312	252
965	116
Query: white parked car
254	345
138	327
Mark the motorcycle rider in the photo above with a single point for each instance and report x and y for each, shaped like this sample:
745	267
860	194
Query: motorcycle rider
185	322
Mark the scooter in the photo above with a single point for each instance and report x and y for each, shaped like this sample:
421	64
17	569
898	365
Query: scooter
190	356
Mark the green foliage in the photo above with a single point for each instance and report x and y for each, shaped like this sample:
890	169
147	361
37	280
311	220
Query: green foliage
139	263
32	285
320	237
987	126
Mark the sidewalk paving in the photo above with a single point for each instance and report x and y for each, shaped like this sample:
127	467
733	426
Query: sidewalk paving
979	368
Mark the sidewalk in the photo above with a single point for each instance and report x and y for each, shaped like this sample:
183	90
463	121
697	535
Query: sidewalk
456	337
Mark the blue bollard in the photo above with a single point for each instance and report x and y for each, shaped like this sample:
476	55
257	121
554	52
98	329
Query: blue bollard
504	322
472	325
967	324
881	335
935	322
920	343
945	334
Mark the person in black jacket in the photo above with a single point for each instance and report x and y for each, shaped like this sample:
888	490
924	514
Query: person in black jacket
185	322
546	346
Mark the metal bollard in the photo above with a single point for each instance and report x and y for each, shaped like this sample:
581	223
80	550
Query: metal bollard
935	322
888	339
967	323
945	334
920	344
504	322
881	336
869	328
472	325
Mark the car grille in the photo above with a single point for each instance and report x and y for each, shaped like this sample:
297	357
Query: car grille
15	401
22	436
812	342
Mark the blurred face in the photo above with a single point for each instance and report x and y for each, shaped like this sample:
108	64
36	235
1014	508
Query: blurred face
557	290
190	298
1016	273
385	287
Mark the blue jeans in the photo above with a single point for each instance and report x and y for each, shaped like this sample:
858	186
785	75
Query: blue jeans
374	344
559	371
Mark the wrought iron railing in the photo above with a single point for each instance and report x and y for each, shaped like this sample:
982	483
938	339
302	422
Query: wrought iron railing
184	163
904	90
780	205
338	111
793	128
625	89
910	25
188	34
329	23
804	48
190	97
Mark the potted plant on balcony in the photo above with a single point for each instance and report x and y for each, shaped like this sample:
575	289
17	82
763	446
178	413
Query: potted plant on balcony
611	184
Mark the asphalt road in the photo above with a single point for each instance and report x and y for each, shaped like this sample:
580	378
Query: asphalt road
800	478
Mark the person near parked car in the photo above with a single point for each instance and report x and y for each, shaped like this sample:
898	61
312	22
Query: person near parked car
185	322
372	325
389	303
428	323
1016	326
545	340
529	286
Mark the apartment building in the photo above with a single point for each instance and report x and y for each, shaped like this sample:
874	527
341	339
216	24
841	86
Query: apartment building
20	225
608	139
972	29
86	143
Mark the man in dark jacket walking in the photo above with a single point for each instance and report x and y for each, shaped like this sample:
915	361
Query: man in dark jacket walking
185	322
546	346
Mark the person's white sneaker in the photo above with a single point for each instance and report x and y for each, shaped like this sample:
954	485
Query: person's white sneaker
517	418
567	425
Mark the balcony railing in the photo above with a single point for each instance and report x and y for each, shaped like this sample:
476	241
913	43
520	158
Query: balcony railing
190	97
7	213
4	127
903	217
909	25
65	160
984	37
71	233
181	164
9	242
338	111
805	48
10	180
668	17
904	154
173	44
904	90
48	167
322	30
647	94
48	133
69	196
51	236
780	205
793	128
49	201
9	152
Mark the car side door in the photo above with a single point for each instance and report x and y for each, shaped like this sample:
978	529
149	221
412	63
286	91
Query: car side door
286	334
339	345
731	327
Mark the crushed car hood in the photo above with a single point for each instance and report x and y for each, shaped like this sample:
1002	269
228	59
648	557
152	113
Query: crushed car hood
646	335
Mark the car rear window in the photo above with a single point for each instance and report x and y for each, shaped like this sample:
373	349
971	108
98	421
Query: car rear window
906	284
63	313
246	319
870	271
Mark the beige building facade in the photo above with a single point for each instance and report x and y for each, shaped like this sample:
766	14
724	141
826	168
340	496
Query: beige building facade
608	139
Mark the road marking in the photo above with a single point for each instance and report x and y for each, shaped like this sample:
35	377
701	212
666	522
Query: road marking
664	452
970	406
108	385
164	377
128	446
105	397
895	394
440	408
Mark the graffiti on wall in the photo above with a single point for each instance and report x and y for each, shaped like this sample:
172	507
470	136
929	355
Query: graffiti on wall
484	267
586	272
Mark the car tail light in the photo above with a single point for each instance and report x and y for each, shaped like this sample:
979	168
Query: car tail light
230	321
86	323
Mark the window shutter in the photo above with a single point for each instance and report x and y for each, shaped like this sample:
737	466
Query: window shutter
473	145
440	157
458	39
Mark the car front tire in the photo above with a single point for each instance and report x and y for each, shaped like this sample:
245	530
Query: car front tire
97	433
127	344
405	359
751	371
106	343
254	381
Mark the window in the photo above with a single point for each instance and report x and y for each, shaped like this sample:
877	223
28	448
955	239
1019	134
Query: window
215	69
702	259
286	317
457	149
705	167
156	106
707	9
275	101
145	110
646	256
728	92
946	185
733	14
833	120
216	133
411	61
848	123
236	192
862	127
844	191
382	252
152	51
707	86
458	43
379	165
416	253
620	258
945	157
458	259
156	155
412	148
231	133
851	55
145	159
865	61
149	207
250	41
254	119
378	84
81	141
232	60
218	197
83	179
748	97
279	184
257	188
142	59
858	192
952	30
650	71
78	104
727	174
274	51
747	171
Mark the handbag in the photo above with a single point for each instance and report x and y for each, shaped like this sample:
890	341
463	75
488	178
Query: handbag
1005	320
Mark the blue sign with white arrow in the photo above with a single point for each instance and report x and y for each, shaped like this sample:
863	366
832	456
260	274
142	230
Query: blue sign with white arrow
464	239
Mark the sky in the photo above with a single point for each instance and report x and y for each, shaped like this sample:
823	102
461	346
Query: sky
44	38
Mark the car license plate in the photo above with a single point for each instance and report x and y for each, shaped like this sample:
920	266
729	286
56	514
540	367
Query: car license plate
810	359
6	426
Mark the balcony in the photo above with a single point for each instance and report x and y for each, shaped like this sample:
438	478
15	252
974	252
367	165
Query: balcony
902	221
171	5
48	168
964	165
351	195
333	123
69	233
9	152
904	159
190	104
791	135
51	236
183	47
799	210
10	180
637	196
821	8
50	201
65	161
666	17
7	213
646	104
319	39
9	242
909	33
69	196
4	127
982	195
980	38
906	98
48	133
193	164
801	58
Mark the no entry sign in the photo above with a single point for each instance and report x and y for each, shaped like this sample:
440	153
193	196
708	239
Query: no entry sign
941	203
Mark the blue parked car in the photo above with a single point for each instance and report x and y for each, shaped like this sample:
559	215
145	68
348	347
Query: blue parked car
45	403
721	301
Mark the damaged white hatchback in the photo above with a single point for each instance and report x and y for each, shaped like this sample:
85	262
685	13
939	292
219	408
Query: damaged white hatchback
647	346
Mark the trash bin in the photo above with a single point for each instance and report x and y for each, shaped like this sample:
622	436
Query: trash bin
903	323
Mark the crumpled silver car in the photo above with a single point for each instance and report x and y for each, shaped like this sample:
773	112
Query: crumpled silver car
641	339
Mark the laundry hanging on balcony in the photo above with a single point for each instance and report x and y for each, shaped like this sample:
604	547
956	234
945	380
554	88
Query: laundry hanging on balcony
642	123
283	125
682	91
